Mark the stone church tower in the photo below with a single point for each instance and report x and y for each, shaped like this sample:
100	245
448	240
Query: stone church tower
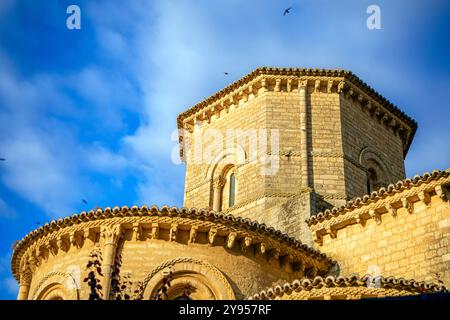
280	145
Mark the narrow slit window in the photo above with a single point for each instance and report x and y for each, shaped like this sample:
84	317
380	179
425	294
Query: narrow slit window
232	190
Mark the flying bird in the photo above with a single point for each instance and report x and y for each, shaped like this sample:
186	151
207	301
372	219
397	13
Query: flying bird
85	201
286	11
2	159
226	73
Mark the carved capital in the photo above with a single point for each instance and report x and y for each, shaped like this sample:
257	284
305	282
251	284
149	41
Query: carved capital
219	183
111	234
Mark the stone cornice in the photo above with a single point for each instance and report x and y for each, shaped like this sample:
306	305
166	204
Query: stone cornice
404	194
400	284
271	79
55	236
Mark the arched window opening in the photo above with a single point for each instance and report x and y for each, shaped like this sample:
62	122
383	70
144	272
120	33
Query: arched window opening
372	180
232	194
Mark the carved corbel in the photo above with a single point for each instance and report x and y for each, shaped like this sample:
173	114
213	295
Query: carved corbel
262	248
277	85
212	236
289	85
193	234
341	87
349	93
246	244
137	231
317	238
42	252
392	210
173	233
375	215
361	220
53	247
263	85
317	86
62	243
425	197
89	235
407	205
273	254
231	239
441	193
329	86
331	231
155	230
76	239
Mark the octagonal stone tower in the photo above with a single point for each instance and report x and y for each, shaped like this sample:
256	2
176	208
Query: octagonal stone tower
280	145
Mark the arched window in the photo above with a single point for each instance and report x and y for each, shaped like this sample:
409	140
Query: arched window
372	180
232	195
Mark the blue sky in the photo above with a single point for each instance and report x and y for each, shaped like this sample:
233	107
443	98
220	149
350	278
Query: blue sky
89	114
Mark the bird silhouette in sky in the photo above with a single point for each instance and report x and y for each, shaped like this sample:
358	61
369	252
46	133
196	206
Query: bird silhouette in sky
2	159
85	201
286	11
226	73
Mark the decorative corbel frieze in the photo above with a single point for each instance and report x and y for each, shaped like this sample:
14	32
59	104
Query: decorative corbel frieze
391	209
263	85
317	238
361	220
376	216
277	85
193	234
331	231
246	244
329	86
212	236
231	239
262	248
173	233
424	197
341	87
76	239
53	247
441	192
155	230
137	232
317	86
89	235
274	254
62	243
408	205
289	85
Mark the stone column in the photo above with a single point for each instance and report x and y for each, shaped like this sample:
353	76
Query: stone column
111	234
218	186
303	87
24	286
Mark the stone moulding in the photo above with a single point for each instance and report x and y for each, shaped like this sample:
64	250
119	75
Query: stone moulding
270	79
404	194
33	245
215	277
365	286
